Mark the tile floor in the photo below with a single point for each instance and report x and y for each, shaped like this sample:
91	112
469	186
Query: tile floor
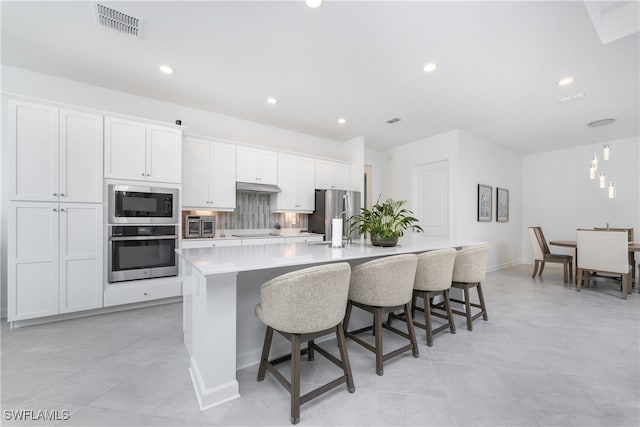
548	356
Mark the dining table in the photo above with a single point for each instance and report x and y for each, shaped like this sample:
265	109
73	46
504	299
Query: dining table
633	248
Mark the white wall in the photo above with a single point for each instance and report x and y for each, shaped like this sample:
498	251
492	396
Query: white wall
472	161
483	162
399	162
559	196
355	149
375	159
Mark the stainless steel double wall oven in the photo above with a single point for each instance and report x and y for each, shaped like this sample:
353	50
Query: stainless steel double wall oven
142	232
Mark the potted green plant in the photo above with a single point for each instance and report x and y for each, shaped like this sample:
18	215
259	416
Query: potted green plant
385	222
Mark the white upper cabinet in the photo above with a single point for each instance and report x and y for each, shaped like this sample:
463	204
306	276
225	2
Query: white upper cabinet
223	176
257	166
209	178
56	154
195	173
142	152
164	154
331	175
296	180
125	151
80	157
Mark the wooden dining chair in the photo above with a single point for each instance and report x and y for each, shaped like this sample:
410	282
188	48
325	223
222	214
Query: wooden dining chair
542	254
603	252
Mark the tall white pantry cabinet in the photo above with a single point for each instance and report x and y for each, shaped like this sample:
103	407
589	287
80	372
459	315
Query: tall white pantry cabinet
55	242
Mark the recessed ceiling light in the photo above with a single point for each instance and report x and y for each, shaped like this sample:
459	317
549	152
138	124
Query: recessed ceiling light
342	121
272	100
166	69
313	3
429	67
565	81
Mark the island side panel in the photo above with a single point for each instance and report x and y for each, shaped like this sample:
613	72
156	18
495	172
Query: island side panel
212	302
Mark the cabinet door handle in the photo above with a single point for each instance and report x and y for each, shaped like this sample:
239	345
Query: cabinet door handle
145	293
142	174
55	194
55	210
148	174
61	194
61	209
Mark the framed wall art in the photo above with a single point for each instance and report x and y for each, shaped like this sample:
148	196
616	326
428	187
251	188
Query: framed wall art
502	204
484	203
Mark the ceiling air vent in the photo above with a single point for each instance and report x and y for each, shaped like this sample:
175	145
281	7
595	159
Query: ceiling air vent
117	20
394	120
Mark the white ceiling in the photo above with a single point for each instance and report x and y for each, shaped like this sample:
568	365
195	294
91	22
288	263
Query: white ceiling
498	64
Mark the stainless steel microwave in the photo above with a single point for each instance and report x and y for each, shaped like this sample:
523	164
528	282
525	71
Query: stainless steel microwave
142	205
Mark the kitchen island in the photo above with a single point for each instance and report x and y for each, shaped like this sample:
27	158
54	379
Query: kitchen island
221	288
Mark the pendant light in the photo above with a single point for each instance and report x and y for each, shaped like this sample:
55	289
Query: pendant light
603	180
593	169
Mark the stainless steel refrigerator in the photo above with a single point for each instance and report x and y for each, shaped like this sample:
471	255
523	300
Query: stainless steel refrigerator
335	204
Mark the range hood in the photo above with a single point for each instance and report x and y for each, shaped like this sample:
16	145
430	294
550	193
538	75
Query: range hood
252	187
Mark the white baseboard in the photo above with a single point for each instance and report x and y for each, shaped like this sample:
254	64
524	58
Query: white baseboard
105	310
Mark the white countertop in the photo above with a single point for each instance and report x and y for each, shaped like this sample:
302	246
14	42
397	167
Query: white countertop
216	260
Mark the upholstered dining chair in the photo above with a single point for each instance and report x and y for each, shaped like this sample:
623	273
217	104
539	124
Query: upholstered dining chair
433	278
469	270
379	287
603	252
301	306
542	254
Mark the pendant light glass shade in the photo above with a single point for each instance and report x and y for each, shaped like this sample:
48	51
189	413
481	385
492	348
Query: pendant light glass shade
605	155
603	180
592	172
594	162
612	190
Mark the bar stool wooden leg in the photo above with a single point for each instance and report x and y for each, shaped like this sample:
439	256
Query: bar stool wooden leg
347	317
310	354
377	328
268	335
342	345
541	268
412	332
467	305
295	379
566	273
447	307
427	320
485	316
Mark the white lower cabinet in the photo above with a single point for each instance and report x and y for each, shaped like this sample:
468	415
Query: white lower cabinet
54	258
141	291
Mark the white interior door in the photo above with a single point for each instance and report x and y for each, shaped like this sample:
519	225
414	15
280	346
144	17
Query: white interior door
432	194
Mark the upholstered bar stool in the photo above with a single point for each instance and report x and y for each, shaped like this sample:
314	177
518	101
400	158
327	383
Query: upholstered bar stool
301	306
378	287
433	278
469	271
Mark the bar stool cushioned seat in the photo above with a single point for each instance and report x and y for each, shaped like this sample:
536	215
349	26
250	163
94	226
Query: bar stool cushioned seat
381	286
433	278
469	271
300	306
